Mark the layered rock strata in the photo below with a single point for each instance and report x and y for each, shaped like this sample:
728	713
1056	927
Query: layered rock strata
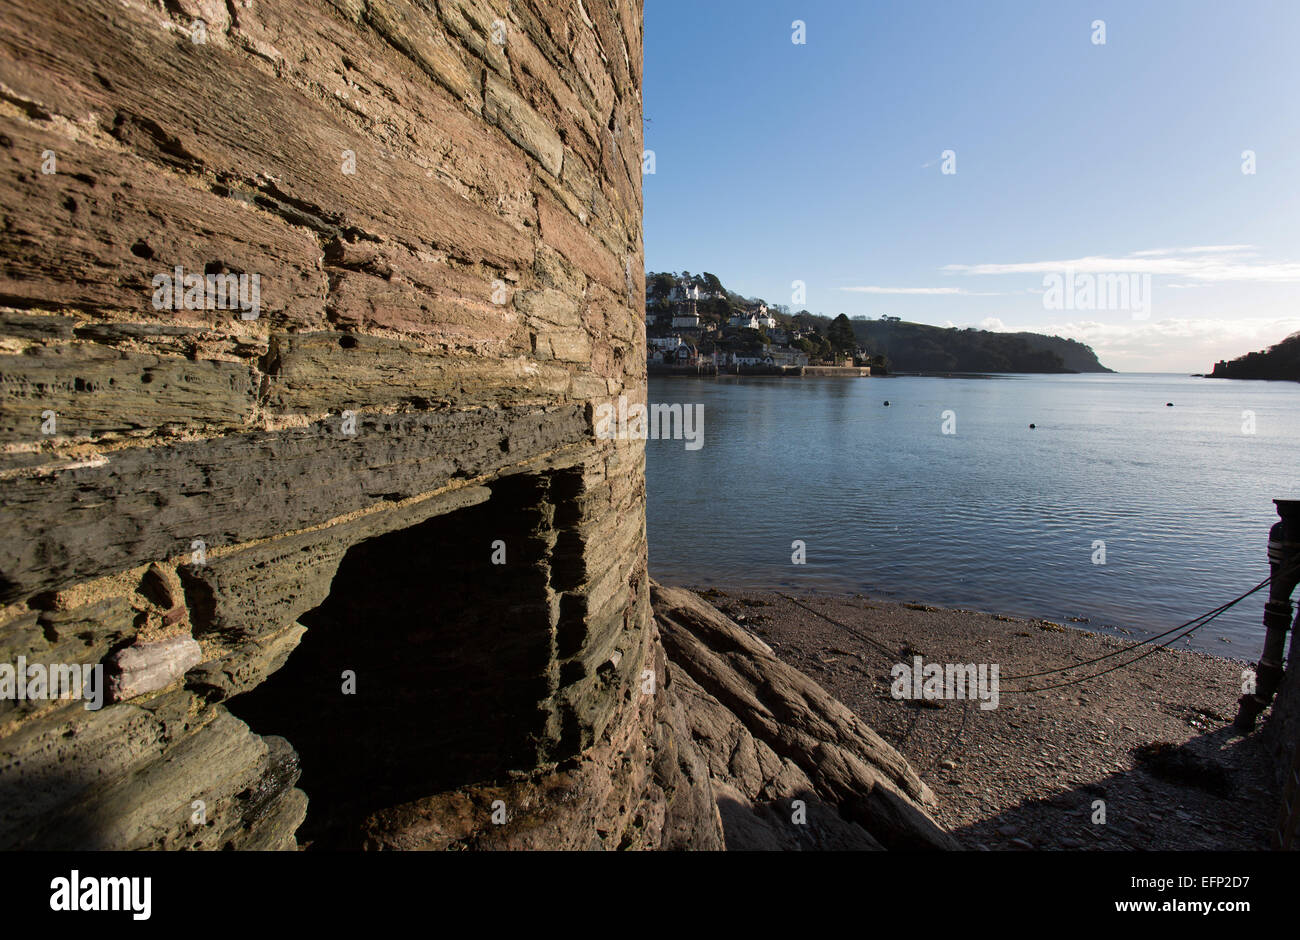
772	736
441	205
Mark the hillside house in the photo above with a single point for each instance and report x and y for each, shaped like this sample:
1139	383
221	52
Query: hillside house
783	356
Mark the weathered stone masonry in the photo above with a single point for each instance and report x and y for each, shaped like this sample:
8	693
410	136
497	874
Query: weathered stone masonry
465	296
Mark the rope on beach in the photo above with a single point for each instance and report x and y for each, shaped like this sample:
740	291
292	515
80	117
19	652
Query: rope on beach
1199	621
890	656
965	713
1207	618
916	716
880	647
1196	623
1191	627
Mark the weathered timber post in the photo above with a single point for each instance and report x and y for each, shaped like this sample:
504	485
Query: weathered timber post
1284	566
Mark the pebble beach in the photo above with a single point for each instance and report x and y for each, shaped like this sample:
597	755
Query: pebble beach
1141	758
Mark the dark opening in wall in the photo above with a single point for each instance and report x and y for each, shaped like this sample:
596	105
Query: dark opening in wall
452	659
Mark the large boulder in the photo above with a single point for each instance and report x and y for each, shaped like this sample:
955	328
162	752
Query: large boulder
773	736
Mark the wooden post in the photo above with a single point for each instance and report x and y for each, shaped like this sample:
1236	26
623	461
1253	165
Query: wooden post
1284	564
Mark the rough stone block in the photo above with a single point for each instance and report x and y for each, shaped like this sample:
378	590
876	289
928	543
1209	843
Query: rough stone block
524	126
149	667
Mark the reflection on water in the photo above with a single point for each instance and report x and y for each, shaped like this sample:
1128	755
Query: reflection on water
995	516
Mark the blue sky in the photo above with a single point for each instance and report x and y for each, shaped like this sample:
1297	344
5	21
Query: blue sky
822	163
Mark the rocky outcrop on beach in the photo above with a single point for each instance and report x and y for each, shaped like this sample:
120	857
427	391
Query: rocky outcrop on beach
774	739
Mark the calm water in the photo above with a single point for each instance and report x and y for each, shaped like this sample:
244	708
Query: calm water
995	517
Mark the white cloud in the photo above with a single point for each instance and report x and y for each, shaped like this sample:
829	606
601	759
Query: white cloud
929	291
993	324
1196	250
1202	263
1185	345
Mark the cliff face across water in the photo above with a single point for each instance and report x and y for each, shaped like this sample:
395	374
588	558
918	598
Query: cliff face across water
304	314
919	347
1280	362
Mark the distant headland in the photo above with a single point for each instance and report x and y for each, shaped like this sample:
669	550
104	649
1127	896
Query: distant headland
693	321
1280	362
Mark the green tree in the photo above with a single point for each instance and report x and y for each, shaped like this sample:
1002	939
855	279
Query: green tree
840	335
658	285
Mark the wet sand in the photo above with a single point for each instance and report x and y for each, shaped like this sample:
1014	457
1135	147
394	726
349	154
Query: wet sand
1028	773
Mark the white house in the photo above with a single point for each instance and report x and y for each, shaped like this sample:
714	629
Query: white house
754	318
686	320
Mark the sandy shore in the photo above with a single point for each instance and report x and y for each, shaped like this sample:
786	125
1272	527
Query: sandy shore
1028	774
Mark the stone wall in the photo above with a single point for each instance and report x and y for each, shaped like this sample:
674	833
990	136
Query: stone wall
441	201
